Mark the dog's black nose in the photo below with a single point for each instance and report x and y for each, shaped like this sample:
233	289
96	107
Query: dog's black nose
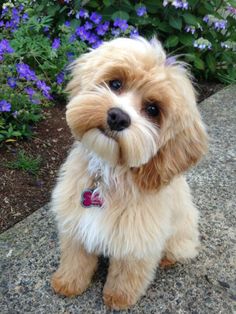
117	119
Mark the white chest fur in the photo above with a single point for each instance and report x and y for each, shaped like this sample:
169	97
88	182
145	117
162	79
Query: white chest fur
131	223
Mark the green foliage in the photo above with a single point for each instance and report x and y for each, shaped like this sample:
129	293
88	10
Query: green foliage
170	24
26	163
45	36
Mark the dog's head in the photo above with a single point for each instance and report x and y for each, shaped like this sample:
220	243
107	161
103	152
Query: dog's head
132	107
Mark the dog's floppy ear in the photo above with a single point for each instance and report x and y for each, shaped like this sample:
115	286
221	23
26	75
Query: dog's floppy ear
175	157
185	138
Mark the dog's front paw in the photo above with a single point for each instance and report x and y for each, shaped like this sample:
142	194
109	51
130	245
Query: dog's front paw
167	263
66	286
118	300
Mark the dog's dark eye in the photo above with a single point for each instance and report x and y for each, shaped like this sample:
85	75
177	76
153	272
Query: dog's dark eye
115	85
152	110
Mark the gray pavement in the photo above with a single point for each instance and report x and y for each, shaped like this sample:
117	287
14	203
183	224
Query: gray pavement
29	251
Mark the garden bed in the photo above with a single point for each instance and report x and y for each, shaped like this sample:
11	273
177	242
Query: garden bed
23	192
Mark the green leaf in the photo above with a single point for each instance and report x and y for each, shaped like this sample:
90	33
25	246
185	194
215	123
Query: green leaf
52	10
108	3
175	22
74	23
211	62
190	19
16	133
151	6
171	41
121	15
93	3
186	39
198	63
165	27
232	2
208	6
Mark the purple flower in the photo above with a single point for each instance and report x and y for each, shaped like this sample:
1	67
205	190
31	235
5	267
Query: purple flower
82	13
9	24
206	19
190	29
185	5
4	12
141	10
88	25
134	33
5	106
122	24
220	24
82	33
46	29
25	72
67	1
1	24
92	38
115	32
67	23
70	13
15	12
44	89
202	44
56	43
11	82
35	101
224	45
30	91
95	18
179	4
25	17
70	56
231	10
72	38
106	25
15	114
60	78
21	7
5	47
102	28
165	3
97	44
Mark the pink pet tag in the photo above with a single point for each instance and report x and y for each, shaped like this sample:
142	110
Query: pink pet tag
90	199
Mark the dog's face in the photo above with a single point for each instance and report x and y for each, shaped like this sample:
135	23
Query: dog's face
131	108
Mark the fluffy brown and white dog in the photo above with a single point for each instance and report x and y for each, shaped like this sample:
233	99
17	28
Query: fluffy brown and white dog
121	192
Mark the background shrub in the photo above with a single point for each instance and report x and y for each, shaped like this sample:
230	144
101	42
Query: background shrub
39	38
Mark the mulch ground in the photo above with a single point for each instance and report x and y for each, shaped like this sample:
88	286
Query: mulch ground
22	193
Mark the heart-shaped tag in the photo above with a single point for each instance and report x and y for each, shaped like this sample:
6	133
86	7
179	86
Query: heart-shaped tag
90	199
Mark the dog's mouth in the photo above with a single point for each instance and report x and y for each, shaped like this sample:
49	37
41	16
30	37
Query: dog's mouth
102	142
107	132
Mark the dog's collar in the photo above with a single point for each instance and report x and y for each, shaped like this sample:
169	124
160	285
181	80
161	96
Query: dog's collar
90	197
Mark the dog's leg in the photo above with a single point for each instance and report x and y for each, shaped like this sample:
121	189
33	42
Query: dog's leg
76	269
127	281
184	243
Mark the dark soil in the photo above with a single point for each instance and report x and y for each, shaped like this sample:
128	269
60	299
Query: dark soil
22	193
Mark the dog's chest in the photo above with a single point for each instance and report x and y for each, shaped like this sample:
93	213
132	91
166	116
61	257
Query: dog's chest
123	227
127	223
